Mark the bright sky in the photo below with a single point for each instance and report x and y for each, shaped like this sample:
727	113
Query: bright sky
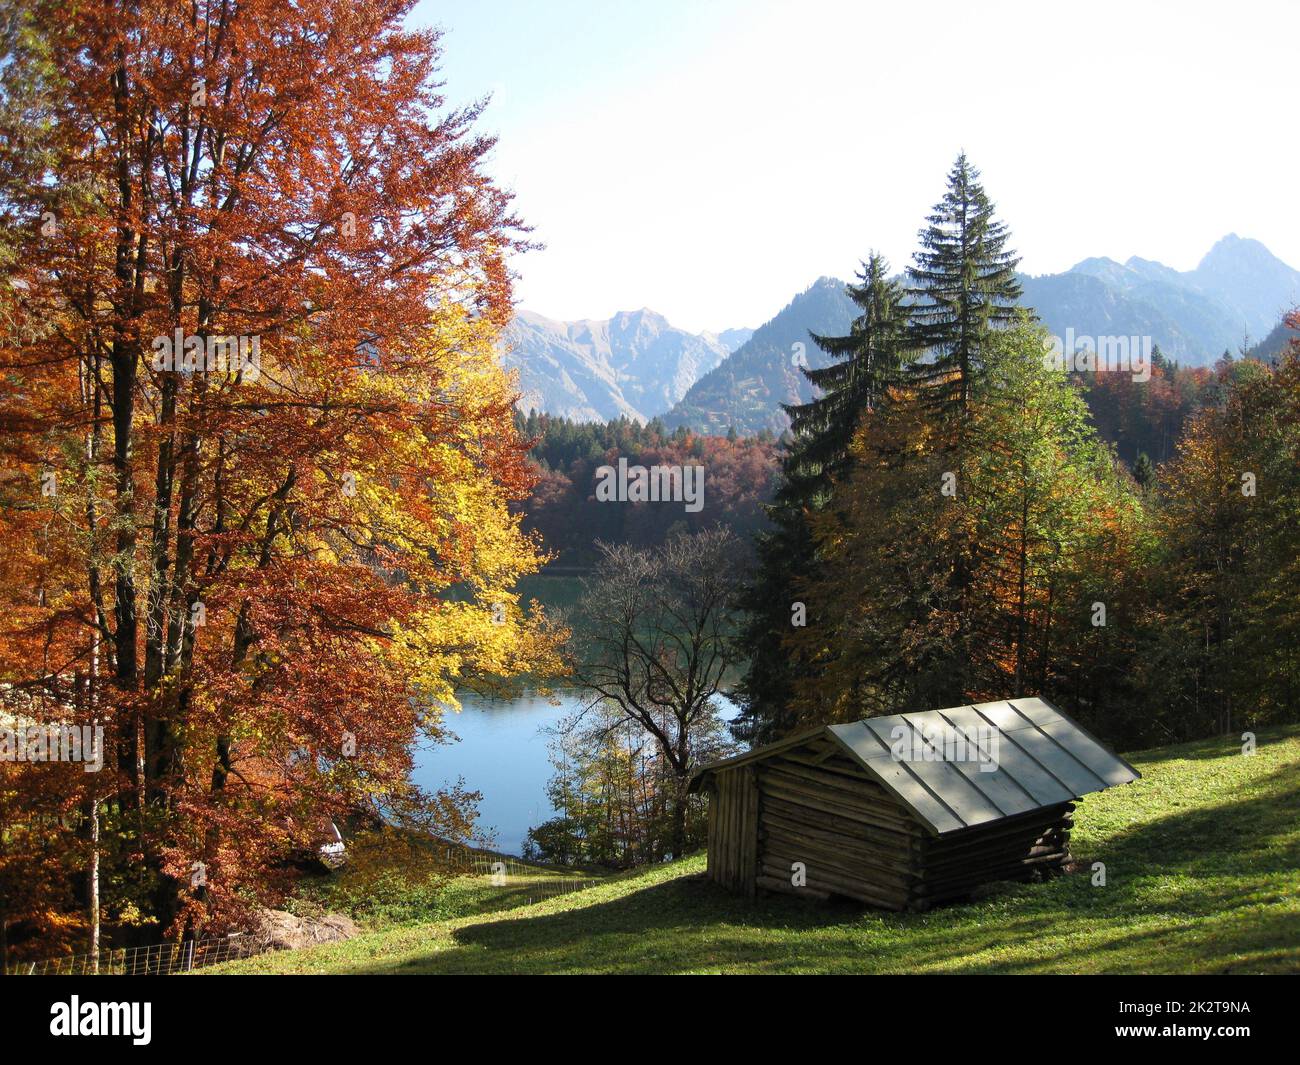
711	158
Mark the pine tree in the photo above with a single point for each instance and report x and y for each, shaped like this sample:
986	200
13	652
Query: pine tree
1045	524
1144	471
964	292
963	285
866	360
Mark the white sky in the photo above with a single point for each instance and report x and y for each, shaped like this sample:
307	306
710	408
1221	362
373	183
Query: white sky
711	159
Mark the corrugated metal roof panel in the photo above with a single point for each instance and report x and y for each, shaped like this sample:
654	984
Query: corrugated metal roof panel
924	736
897	777
1000	789
1022	771
970	765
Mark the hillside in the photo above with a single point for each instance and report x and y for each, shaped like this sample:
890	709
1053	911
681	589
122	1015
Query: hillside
1201	861
750	385
1272	346
1189	327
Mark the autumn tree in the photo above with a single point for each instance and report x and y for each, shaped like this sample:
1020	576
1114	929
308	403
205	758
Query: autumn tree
252	298
1044	513
1221	653
616	794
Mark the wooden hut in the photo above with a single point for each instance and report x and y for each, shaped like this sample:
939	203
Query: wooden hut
905	811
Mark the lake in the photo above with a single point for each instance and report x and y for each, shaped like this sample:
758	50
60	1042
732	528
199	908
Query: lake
502	753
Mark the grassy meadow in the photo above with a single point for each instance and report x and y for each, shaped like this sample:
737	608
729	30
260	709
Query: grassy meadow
1202	860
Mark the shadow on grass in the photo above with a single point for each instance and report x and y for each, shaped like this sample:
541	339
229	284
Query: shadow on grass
1238	836
1216	747
1199	889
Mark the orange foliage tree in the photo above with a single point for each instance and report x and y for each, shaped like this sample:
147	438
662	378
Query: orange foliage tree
259	456
1225	652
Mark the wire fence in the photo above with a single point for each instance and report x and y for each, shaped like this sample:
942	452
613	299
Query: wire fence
155	959
529	883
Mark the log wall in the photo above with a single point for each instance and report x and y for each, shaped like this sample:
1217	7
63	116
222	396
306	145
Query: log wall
814	805
733	830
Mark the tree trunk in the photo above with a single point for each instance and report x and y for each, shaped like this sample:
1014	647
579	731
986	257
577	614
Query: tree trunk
679	817
94	885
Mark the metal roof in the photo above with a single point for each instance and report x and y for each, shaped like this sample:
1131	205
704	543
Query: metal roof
969	765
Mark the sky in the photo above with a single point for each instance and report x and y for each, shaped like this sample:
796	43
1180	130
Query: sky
711	158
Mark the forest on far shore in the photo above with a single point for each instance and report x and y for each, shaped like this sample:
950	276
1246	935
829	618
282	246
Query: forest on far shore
1142	419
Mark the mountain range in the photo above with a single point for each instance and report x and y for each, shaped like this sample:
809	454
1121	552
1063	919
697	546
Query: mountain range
637	364
634	364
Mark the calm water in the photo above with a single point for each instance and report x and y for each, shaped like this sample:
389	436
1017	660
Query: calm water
502	753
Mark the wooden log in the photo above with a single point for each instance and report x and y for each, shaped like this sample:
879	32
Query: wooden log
982	835
884	849
901	837
939	866
863	890
838	774
817	781
878	856
783	857
1007	870
772	883
749	830
883	858
798	779
876	816
964	883
834	792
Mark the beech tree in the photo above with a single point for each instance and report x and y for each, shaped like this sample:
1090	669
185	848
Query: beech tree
253	426
1221	649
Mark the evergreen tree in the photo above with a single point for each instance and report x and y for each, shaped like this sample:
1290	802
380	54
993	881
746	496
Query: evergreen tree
963	285
867	360
1144	471
816	451
1045	520
964	292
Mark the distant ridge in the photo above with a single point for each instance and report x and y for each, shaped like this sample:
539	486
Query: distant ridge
1235	296
633	365
639	366
748	388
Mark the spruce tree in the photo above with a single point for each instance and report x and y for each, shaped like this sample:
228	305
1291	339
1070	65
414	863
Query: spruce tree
816	452
963	285
964	291
867	359
1144	471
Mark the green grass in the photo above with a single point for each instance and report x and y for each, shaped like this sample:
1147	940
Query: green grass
1203	876
408	883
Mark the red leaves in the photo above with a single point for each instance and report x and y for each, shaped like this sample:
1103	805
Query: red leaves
228	555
